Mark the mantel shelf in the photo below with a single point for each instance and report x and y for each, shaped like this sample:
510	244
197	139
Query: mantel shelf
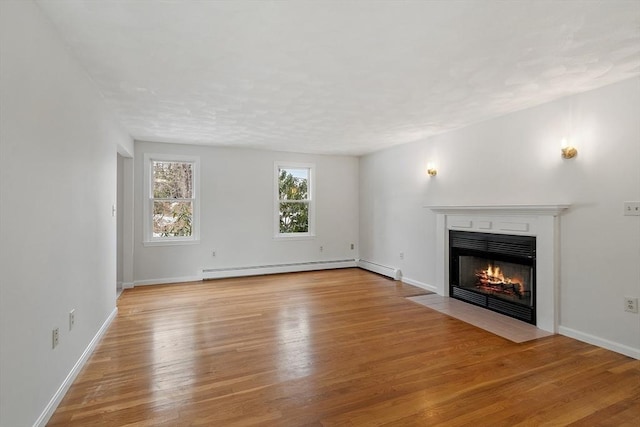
553	210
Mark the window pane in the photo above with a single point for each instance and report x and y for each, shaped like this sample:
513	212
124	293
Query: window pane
172	180
293	184
172	219
294	217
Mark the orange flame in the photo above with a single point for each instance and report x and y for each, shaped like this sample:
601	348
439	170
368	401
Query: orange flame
493	275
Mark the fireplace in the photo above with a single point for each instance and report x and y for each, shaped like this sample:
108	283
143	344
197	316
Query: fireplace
537	221
494	271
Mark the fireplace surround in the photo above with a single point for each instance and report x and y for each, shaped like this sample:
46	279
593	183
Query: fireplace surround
539	221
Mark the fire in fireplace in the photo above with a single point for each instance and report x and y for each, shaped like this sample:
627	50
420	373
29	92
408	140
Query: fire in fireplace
494	271
493	281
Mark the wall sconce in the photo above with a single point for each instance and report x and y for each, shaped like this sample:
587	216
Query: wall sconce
431	169
568	151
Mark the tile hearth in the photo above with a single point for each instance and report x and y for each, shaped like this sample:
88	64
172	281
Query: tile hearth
504	326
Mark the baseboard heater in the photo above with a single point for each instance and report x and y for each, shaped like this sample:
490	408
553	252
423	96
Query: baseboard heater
257	270
392	272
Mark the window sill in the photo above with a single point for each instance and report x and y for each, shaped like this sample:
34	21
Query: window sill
294	236
171	242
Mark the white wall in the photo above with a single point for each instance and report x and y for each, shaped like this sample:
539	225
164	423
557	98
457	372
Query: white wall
57	185
237	213
515	159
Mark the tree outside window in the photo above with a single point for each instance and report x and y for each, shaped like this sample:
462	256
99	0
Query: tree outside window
172	199
171	192
294	200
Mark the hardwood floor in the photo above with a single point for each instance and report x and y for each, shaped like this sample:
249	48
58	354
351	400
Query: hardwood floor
333	348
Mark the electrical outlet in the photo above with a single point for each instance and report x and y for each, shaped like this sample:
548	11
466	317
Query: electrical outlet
72	319
321	248
401	255
353	246
631	208
213	252
631	304
55	338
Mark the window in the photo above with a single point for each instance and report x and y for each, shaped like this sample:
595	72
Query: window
294	215
171	208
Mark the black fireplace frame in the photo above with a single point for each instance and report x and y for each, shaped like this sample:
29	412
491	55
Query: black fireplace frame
500	247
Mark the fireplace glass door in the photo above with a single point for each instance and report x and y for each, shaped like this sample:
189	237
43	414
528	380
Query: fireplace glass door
494	271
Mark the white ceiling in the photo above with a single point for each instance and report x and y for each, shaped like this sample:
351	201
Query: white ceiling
339	77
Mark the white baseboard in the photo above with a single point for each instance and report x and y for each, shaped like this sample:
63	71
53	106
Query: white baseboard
166	280
424	286
64	387
127	285
257	270
600	342
392	272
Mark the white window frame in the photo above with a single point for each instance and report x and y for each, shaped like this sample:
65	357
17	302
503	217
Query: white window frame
148	238
311	200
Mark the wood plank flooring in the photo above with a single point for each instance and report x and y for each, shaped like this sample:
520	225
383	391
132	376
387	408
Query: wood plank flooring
333	348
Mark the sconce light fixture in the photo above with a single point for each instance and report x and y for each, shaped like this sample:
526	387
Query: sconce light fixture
568	151
431	169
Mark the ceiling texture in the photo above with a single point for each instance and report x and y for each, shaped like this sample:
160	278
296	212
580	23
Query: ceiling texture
339	77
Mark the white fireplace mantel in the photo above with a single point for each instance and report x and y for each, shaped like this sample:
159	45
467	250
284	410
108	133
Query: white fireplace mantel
501	209
540	221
